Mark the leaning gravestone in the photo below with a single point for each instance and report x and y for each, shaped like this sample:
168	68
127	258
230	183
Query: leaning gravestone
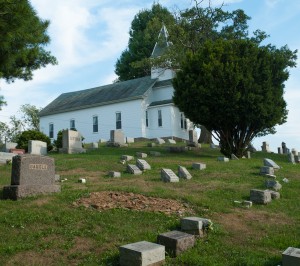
71	142
37	147
31	175
160	141
271	163
133	169
183	173
142	165
167	175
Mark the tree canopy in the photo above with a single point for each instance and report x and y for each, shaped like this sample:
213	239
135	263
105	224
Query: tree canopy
23	37
235	89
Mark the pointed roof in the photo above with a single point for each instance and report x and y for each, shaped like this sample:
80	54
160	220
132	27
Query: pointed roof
108	94
162	44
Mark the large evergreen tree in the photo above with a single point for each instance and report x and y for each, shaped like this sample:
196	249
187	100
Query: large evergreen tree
143	35
235	89
22	40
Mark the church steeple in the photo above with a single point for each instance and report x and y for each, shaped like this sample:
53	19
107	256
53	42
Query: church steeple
162	44
160	47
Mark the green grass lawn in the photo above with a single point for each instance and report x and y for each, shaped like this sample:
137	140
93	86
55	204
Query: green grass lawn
50	230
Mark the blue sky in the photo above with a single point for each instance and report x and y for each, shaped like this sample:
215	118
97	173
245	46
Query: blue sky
87	37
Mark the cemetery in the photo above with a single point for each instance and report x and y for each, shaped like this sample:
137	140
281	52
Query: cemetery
157	207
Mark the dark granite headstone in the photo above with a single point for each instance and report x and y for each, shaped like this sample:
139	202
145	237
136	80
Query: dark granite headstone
31	175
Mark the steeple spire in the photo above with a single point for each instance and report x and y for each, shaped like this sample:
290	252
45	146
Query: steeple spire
162	43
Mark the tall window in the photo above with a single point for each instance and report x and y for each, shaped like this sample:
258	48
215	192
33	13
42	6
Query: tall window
72	124
118	120
181	120
147	123
185	123
51	131
159	118
95	124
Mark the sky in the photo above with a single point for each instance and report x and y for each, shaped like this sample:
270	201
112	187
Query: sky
88	36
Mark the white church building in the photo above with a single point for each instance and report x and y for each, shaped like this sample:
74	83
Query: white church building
141	108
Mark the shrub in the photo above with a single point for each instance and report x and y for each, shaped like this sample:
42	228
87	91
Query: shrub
58	142
32	135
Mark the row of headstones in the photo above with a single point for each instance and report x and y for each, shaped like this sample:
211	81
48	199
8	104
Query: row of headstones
173	242
282	150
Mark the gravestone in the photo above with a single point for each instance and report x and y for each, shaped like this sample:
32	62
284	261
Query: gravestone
279	150
72	142
205	136
199	166
9	145
129	140
133	169
127	157
183	173
141	254
31	175
193	138
291	158
37	147
117	137
284	148
167	175
17	151
155	153
160	141
141	155
273	184
265	147
294	152
171	141
233	157
275	195
223	159
95	145
248	155
195	225
267	170
297	160
291	257
176	242
271	163
260	196
114	174
6	156
143	165
152	144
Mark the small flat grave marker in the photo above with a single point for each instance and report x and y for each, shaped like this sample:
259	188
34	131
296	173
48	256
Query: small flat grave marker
171	141
142	253
194	225
114	174
133	169
143	165
223	159
141	155
160	141
183	173
127	158
167	175
176	242
267	170
199	166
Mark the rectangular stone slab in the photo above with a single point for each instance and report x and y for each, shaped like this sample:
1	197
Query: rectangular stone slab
167	175
176	242
133	169
142	253
291	257
142	164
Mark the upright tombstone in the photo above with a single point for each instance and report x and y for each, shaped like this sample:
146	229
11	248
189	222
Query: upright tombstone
71	142
31	175
291	157
294	151
193	139
129	140
117	137
284	148
205	136
279	150
9	145
265	147
95	145
37	147
6	157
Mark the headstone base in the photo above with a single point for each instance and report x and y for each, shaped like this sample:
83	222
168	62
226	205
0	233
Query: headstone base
15	192
71	151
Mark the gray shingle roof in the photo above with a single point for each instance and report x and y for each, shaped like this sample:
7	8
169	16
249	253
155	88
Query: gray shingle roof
117	92
161	102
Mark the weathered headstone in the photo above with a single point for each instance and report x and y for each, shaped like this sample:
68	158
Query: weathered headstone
284	148
37	147
279	150
183	173
275	195
265	147
142	253
199	166
127	157
129	140
271	163
9	145
141	155
167	175
223	159
6	156
291	257
171	141
72	142
248	155
95	145
195	225
267	170
176	242
273	184
193	138
117	137
31	175
205	135
291	158
260	196
294	151
142	165
297	158
133	169
114	174
160	141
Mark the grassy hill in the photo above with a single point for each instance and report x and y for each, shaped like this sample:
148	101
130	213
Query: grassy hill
52	230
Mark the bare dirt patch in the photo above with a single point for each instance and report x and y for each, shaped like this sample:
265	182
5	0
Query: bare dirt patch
111	199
